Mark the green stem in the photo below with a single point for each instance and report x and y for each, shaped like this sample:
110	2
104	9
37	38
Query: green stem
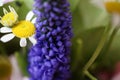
114	32
24	51
90	75
98	50
77	57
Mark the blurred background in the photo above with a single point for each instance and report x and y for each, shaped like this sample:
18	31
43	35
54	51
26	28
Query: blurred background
89	23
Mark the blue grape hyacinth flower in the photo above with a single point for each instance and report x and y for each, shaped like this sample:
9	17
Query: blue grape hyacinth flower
49	59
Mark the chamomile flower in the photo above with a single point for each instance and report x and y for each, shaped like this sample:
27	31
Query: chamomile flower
112	7
22	29
9	18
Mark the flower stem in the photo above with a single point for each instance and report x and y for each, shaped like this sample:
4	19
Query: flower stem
114	32
96	53
90	75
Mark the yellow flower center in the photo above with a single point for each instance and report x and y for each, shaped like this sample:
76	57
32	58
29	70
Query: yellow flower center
23	29
9	19
113	6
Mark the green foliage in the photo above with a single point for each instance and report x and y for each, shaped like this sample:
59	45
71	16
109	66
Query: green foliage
74	3
89	23
24	8
83	47
86	16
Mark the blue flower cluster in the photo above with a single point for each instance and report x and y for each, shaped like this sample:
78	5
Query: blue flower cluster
49	59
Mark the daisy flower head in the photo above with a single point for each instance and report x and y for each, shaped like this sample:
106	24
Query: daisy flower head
9	18
112	7
22	29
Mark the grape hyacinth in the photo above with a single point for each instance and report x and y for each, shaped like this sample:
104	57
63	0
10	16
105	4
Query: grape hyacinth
49	59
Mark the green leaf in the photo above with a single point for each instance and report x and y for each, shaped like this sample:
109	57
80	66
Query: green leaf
92	16
30	5
74	4
87	16
24	8
88	41
113	55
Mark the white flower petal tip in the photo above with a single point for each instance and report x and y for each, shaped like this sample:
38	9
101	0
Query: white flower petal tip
13	10
23	42
5	11
7	37
29	15
34	20
98	3
116	77
33	40
115	20
25	78
5	30
1	4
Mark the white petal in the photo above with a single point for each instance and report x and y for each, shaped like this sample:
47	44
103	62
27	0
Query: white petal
23	42
25	78
33	40
12	9
5	30
16	72
33	21
98	3
7	37
116	77
1	4
6	1
29	15
115	20
5	11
